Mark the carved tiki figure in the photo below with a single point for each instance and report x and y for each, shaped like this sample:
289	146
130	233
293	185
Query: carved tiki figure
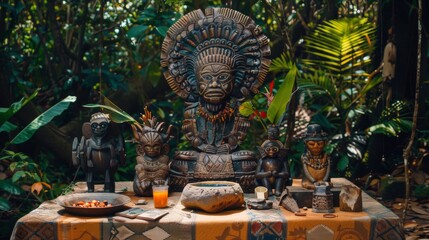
152	159
214	61
272	171
316	164
100	151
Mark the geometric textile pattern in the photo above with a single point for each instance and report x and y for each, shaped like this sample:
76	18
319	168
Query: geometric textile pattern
266	225
383	226
156	233
50	221
320	232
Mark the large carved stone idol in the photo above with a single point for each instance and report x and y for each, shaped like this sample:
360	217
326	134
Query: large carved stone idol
316	164
152	159
214	60
100	151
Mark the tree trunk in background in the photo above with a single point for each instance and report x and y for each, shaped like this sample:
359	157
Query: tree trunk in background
403	16
331	10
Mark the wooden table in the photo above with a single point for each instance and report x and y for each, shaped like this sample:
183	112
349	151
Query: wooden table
49	221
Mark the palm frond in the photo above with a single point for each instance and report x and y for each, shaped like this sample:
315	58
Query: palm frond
340	45
319	81
282	63
394	120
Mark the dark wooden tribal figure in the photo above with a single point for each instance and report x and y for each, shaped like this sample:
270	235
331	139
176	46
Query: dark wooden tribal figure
214	60
152	149
316	164
100	151
272	171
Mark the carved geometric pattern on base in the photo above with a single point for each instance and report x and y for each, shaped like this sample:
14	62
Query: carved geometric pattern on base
210	166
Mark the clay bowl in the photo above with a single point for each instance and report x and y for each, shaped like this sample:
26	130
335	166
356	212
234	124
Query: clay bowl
117	201
212	196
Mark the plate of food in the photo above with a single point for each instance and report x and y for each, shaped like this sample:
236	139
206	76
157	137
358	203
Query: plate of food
93	204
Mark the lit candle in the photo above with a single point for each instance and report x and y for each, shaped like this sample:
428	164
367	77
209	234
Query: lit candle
160	196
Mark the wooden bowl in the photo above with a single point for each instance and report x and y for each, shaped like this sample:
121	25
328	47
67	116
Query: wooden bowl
117	202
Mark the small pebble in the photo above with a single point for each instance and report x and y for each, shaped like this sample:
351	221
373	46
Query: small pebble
141	202
300	214
305	208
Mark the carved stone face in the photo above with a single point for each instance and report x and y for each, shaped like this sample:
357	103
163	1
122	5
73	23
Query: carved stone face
215	82
271	149
152	150
315	147
152	144
99	127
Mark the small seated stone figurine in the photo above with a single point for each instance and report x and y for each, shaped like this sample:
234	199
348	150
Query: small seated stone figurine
316	163
272	171
152	161
100	151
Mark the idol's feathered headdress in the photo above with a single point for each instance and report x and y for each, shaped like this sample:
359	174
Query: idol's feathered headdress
220	35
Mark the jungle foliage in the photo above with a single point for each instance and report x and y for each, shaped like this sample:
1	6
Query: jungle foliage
67	59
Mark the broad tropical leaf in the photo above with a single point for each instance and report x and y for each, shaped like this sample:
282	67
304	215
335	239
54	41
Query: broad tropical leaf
343	163
18	175
8	186
278	107
42	120
246	109
4	204
116	113
7	113
8	127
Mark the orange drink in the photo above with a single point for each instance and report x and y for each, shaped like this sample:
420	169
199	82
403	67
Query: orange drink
160	195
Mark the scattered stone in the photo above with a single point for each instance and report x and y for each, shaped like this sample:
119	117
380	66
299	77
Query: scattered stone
212	196
141	202
350	199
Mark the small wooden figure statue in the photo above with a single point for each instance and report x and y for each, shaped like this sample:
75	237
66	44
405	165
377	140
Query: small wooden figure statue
152	161
99	151
316	163
272	171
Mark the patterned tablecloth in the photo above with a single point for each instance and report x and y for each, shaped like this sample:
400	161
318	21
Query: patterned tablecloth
50	221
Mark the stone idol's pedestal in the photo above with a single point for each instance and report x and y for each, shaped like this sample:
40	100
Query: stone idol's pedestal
304	197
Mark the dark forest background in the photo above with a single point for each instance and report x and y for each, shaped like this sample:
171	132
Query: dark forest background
108	52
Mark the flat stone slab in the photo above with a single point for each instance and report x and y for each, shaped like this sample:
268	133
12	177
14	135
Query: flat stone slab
212	196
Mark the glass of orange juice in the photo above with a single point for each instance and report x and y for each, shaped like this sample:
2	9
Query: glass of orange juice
160	196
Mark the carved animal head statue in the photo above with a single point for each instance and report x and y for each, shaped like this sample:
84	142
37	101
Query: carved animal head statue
215	56
99	124
151	136
272	148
